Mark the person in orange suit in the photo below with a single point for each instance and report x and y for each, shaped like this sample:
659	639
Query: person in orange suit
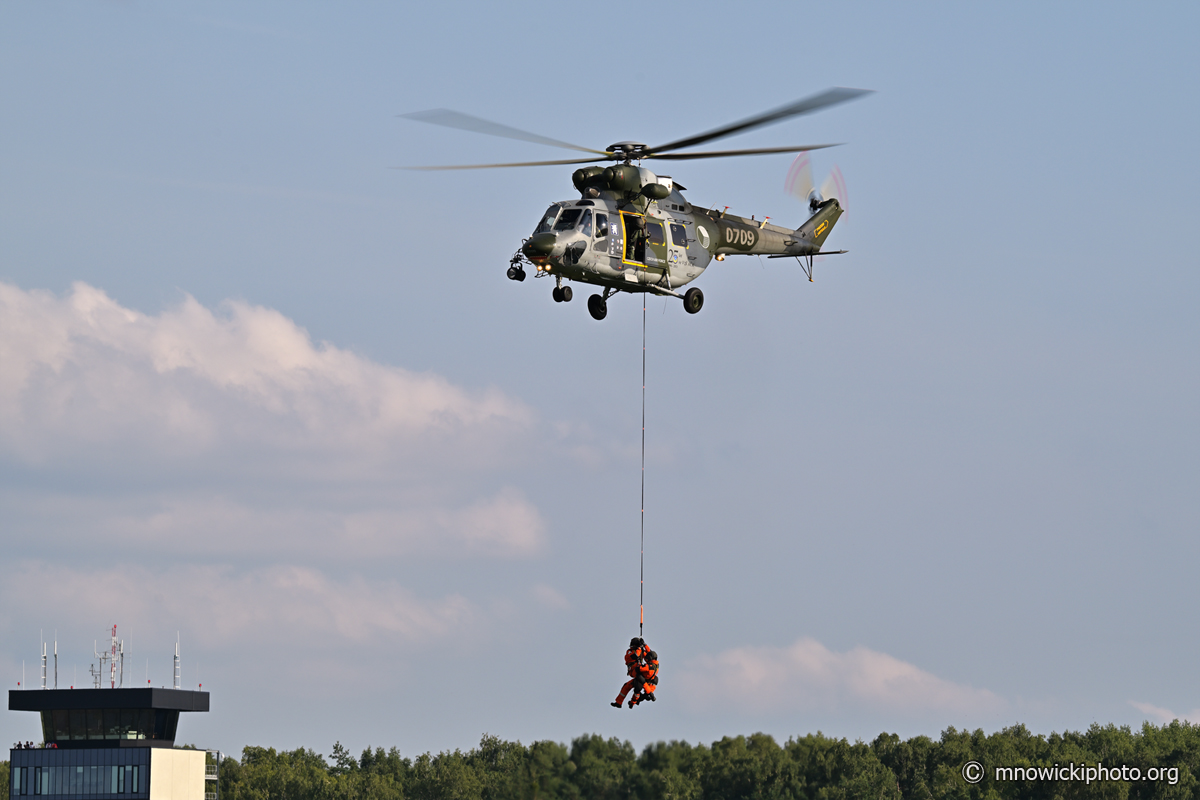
633	658
647	680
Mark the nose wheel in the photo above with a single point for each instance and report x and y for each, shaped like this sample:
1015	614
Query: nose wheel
562	294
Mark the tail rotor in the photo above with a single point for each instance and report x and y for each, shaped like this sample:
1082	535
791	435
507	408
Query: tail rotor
799	181
834	186
799	184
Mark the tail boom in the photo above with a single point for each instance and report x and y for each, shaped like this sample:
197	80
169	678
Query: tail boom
738	235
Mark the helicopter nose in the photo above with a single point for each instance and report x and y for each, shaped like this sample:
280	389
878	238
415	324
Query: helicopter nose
539	246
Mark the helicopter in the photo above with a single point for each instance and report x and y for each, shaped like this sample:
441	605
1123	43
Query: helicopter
632	230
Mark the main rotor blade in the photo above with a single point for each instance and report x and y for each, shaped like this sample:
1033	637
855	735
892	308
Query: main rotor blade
758	151
517	164
827	98
456	119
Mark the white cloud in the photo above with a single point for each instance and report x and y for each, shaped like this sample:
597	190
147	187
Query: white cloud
503	524
1165	715
550	597
221	605
234	428
809	676
84	372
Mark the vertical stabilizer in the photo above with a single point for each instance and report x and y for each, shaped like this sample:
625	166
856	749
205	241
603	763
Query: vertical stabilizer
816	230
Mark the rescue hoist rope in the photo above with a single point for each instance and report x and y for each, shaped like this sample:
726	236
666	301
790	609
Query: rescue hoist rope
642	555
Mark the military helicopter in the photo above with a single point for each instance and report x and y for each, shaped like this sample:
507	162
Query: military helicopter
633	231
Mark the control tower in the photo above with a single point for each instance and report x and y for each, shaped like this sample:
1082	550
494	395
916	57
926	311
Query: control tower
109	744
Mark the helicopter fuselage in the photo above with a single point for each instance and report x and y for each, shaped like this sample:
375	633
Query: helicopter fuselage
632	230
643	239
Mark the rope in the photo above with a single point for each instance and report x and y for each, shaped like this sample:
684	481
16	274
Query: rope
642	566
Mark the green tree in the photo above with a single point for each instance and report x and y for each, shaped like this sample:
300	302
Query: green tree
343	762
813	767
673	770
604	768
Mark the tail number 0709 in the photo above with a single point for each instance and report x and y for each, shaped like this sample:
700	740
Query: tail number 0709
739	237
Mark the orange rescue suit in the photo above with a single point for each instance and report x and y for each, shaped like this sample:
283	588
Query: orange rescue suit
647	676
633	657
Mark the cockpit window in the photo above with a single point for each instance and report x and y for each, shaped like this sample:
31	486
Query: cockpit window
548	220
585	223
601	225
568	219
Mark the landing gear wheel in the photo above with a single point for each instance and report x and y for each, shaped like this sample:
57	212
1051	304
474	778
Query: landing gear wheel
597	307
566	294
556	293
693	300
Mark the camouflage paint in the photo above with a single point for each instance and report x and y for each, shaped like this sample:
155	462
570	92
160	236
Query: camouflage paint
602	262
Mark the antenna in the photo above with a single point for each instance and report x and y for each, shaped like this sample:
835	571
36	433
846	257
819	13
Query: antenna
98	671
56	659
112	660
43	660
178	673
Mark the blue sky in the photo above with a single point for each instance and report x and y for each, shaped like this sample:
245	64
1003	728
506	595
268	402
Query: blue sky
260	389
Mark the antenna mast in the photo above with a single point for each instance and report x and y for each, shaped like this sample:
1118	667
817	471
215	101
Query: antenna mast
56	659
112	660
177	672
43	665
97	672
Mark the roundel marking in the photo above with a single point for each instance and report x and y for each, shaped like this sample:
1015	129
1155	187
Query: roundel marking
702	235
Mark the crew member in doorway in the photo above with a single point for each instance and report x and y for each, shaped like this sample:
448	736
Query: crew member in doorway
636	233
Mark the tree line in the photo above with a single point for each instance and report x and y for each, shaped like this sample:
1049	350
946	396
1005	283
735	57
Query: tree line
812	766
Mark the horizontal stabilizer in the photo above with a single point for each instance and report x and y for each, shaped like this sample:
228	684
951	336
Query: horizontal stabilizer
820	253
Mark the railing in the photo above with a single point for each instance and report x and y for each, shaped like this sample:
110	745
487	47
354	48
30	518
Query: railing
210	772
210	796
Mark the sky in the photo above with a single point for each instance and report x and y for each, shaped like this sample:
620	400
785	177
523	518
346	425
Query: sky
262	393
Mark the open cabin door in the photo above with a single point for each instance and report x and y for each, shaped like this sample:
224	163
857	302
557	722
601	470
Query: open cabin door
645	247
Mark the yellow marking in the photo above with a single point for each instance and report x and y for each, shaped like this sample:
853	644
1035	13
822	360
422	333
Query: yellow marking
625	239
820	228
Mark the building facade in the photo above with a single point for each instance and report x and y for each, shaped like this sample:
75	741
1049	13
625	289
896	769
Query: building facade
109	744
